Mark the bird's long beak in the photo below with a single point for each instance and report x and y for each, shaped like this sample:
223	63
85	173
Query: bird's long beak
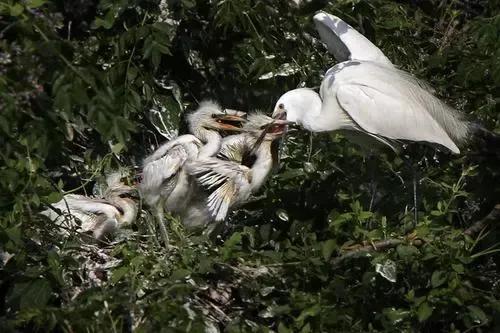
230	117
276	128
230	122
279	114
261	137
282	122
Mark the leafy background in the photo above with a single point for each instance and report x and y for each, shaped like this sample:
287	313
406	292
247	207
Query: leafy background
84	86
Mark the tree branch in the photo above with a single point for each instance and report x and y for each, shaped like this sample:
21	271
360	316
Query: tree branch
365	248
493	216
359	249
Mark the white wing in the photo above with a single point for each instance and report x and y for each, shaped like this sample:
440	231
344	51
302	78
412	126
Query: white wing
74	202
166	162
96	215
228	182
382	113
234	147
344	42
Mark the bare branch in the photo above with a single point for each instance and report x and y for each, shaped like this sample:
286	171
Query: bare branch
362	249
493	216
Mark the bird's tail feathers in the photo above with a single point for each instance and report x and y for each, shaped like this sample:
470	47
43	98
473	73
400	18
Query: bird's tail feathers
488	142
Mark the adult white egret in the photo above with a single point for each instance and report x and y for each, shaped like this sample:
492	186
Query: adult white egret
165	185
240	169
370	100
101	217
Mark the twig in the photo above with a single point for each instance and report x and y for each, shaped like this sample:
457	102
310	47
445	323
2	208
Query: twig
359	249
4	30
204	300
476	227
64	59
92	177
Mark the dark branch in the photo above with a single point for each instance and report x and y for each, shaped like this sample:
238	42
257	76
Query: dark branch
360	250
493	216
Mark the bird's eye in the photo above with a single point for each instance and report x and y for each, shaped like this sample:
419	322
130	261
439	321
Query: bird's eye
263	127
281	106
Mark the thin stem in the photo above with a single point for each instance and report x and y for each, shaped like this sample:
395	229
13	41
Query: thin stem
91	177
63	58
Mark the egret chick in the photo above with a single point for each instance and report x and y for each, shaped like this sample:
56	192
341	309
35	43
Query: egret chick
101	217
240	169
165	185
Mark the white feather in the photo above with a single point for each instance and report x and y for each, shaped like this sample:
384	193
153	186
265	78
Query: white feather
371	98
228	181
344	42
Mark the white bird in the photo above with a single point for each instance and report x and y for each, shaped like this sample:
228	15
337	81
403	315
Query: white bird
165	185
368	99
101	217
240	169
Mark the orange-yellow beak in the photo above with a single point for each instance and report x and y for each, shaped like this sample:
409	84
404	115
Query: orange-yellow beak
229	122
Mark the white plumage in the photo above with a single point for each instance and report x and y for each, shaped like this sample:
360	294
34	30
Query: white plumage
368	97
165	185
100	217
240	168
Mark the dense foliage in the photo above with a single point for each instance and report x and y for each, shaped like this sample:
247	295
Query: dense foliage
87	87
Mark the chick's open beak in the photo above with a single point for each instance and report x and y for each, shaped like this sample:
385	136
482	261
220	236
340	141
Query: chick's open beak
229	122
283	122
276	128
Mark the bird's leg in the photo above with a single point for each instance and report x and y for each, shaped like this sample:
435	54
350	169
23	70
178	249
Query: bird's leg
161	222
415	198
414	171
309	150
373	183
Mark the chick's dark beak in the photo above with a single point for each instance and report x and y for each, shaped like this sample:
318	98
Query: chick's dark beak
229	122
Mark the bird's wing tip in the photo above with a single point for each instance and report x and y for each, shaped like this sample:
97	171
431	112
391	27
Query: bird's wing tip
320	16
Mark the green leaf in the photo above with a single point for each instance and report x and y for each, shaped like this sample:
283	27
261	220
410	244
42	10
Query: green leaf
35	3
230	245
283	329
188	3
406	251
424	312
180	274
395	315
119	273
155	57
106	22
477	314
16	9
328	247
459	268
438	278
117	148
309	312
14	234
54	197
34	294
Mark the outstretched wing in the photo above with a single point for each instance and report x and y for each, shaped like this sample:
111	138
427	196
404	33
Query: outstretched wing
344	42
228	182
166	162
234	147
386	114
